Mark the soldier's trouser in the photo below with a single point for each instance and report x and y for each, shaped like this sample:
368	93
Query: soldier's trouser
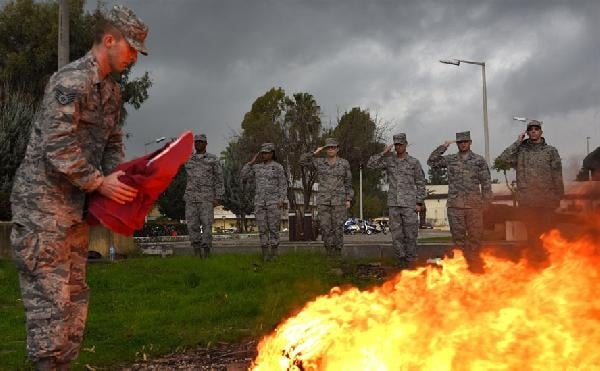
405	229
331	220
51	261
537	220
268	220
466	227
200	218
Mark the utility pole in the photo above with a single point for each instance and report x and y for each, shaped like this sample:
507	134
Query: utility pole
63	32
486	130
587	139
360	191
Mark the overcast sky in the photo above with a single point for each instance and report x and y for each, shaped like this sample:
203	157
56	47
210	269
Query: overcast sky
210	60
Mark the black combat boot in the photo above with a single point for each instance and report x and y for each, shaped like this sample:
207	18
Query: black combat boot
402	263
274	253
45	364
197	249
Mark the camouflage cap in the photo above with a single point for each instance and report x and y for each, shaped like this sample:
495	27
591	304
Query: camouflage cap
132	27
400	138
463	136
201	137
331	142
534	123
267	147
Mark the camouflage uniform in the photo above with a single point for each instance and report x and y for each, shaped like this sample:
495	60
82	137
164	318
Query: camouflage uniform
539	183
469	191
75	139
204	185
271	188
406	190
335	188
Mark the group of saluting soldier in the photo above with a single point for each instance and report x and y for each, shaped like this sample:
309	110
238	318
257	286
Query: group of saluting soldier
539	181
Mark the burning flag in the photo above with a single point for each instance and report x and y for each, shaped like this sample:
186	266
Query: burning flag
511	318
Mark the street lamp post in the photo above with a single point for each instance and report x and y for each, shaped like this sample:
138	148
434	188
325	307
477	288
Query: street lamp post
63	32
361	191
157	140
587	139
360	187
486	132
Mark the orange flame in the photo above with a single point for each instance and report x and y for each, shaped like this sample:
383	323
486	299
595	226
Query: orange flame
511	318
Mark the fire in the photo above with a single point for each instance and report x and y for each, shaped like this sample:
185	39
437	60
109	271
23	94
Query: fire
511	318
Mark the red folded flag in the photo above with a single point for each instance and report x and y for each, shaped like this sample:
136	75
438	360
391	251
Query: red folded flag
150	175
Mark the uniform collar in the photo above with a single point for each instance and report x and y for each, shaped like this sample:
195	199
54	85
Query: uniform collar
91	59
467	156
528	142
335	161
401	159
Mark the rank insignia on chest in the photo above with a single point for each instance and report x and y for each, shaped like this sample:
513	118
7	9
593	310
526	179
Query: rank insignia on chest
64	97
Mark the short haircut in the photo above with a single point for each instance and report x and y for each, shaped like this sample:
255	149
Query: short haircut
104	27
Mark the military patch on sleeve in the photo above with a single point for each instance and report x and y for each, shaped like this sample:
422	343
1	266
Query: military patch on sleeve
63	97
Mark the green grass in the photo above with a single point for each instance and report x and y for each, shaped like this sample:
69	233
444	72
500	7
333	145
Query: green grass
155	306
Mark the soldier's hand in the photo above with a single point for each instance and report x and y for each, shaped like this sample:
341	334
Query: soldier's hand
348	204
387	149
449	142
253	160
115	190
521	137
418	208
318	150
280	204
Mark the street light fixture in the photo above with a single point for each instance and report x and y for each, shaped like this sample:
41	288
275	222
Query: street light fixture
457	62
525	119
157	140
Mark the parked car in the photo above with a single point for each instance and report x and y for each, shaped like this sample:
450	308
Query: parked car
426	226
371	228
351	226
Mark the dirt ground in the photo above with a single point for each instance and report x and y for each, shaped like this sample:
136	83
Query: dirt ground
218	357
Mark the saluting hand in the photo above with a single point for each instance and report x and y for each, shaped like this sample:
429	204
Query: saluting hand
449	142
318	150
115	190
348	204
521	137
387	149
253	160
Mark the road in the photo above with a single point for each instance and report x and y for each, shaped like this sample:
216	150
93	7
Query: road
356	246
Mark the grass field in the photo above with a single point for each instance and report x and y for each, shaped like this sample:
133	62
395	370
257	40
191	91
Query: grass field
154	306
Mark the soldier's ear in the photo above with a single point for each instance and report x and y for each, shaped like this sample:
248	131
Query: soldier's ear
108	40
